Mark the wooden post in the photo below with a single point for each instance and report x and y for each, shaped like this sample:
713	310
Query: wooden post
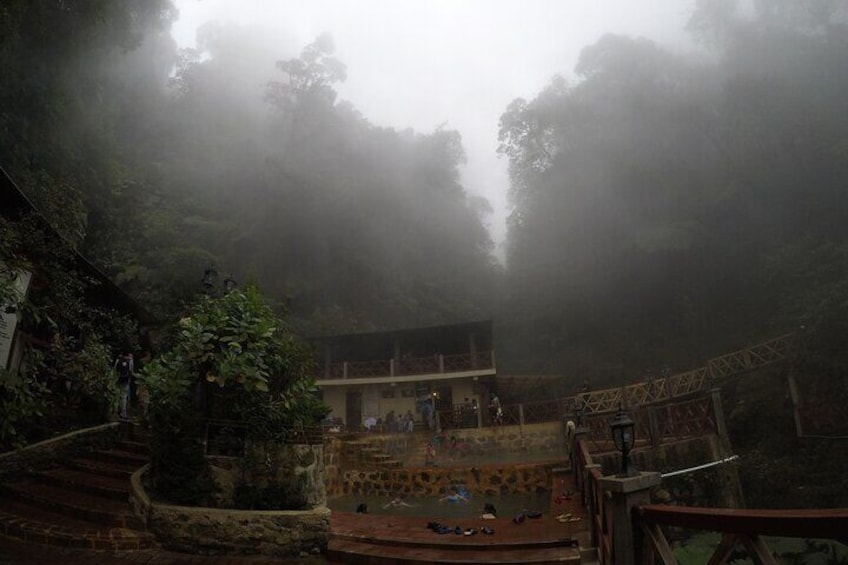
391	367
796	402
344	370
654	426
441	363
628	493
718	414
728	474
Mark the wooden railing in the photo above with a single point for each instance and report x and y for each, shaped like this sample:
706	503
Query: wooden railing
655	424
683	384
739	527
433	364
587	477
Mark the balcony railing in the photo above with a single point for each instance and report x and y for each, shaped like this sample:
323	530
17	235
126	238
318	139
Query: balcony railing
433	364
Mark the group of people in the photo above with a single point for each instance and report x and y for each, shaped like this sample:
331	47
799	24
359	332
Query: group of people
403	423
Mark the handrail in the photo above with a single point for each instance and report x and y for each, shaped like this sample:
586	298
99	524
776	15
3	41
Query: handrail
814	523
686	383
433	364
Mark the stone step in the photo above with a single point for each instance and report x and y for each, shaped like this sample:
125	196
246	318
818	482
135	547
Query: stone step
97	467
390	464
360	552
120	456
97	509
98	485
39	526
133	446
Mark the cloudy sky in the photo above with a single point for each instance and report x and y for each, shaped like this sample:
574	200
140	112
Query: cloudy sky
456	63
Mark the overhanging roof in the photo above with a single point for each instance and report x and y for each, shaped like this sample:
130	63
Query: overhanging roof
14	205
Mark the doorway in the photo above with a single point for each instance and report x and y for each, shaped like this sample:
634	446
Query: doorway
353	410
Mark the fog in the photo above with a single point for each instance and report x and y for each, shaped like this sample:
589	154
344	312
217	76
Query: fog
618	185
431	63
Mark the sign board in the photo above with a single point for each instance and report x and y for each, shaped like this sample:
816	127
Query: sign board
9	318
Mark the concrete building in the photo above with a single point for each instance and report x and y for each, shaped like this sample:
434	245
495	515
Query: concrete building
436	372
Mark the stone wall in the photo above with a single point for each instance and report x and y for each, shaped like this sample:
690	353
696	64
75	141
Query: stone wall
417	480
488	480
284	464
213	531
549	436
42	454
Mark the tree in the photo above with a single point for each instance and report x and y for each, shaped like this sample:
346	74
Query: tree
235	345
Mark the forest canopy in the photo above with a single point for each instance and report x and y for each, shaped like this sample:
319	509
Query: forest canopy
664	207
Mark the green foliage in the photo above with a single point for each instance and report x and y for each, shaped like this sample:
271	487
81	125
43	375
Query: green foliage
179	469
87	368
57	311
23	403
662	206
698	549
259	375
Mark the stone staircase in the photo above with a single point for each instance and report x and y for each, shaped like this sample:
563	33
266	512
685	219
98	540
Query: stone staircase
81	502
368	454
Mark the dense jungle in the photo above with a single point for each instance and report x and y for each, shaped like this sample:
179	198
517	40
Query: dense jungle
663	207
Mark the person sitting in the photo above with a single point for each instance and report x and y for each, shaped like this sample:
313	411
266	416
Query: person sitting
397	501
454	495
489	511
362	508
429	455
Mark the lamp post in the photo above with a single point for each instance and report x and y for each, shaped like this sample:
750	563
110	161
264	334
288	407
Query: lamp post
210	278
210	282
623	437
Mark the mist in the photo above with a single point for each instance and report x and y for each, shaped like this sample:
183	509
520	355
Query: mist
618	185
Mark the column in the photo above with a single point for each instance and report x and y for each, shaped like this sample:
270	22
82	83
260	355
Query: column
627	493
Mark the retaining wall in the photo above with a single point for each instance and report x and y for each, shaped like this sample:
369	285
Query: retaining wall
213	531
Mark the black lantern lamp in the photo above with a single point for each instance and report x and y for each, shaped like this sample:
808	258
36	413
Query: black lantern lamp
210	278
580	415
624	439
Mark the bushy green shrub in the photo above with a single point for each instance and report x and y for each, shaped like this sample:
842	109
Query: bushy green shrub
23	403
92	385
230	357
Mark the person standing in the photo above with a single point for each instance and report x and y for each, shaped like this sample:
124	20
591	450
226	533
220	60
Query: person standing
495	410
124	369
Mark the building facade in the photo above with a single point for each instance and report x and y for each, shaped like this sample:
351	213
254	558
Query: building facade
376	379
